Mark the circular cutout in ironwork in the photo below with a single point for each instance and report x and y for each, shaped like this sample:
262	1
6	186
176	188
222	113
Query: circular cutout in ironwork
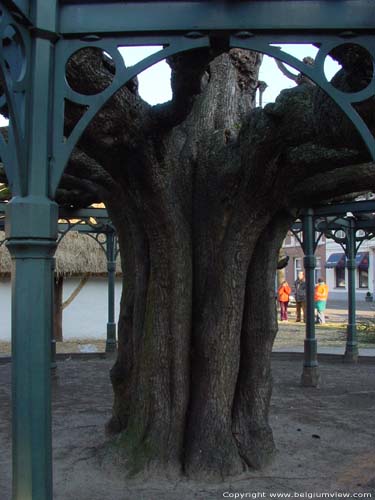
360	233
13	50
339	234
90	70
101	238
357	67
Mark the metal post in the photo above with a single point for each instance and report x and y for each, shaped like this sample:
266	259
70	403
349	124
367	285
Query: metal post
310	374
110	345
351	350
31	229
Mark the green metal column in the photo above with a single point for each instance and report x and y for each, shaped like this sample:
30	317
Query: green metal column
31	230
31	344
110	345
310	374
351	351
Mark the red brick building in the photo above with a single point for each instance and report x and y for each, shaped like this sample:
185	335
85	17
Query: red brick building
292	248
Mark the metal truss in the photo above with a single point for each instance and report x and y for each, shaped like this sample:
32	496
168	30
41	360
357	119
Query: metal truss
349	224
336	221
175	26
95	223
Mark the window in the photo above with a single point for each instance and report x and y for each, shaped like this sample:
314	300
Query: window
340	277
297	266
289	240
362	278
318	269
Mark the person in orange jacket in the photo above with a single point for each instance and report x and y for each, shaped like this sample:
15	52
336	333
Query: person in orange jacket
283	293
321	296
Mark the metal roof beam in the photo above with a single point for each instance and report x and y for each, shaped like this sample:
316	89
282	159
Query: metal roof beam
343	208
83	228
83	213
181	16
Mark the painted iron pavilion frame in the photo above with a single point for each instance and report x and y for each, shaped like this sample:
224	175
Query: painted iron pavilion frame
38	37
95	223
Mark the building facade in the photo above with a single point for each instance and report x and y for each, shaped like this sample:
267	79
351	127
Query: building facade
330	265
337	274
293	250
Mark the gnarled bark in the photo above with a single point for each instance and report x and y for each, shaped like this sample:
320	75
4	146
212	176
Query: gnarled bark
201	191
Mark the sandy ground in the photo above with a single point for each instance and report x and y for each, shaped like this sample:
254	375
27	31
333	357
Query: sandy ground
325	438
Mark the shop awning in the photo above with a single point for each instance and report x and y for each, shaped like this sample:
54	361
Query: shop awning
336	260
361	261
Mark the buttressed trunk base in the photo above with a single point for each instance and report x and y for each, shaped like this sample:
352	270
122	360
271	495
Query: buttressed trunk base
200	190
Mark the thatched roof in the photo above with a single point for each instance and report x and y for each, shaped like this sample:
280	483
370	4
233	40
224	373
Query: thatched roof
77	254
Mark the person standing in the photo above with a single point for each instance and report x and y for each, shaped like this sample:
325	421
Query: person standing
321	296
283	294
300	296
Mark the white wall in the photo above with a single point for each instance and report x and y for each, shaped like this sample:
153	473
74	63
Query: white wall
85	317
5	310
342	293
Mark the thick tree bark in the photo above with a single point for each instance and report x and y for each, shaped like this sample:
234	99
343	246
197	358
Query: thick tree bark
201	191
254	386
192	226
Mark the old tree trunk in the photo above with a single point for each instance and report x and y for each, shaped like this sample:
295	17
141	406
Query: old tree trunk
201	191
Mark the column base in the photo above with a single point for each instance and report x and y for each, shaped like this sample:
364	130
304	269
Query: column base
351	347
111	344
350	357
310	376
110	347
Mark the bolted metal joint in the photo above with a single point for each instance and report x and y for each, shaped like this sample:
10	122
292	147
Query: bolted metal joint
31	248
350	264
219	40
32	217
309	261
111	266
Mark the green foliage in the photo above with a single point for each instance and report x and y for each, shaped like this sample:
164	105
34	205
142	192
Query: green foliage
366	330
5	193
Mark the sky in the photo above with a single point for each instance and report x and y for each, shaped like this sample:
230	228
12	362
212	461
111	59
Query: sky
269	73
154	83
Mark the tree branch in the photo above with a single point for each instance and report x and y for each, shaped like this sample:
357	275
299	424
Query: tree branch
75	292
331	184
84	182
122	122
189	76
